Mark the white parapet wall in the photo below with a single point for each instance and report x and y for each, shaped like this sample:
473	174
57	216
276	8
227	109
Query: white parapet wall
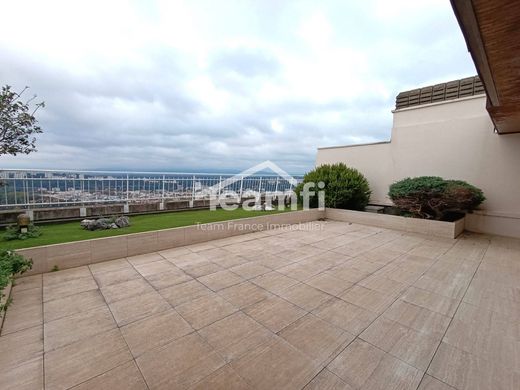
452	139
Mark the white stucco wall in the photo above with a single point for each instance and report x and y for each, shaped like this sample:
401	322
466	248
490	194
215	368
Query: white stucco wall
454	140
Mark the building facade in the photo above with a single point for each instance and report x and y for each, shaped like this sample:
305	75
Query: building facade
452	137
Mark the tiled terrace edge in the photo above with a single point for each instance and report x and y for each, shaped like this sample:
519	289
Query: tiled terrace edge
3	300
75	254
413	225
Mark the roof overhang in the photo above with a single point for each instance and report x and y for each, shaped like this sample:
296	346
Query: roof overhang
492	32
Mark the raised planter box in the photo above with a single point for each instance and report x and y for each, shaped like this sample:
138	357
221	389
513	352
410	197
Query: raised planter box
413	225
78	253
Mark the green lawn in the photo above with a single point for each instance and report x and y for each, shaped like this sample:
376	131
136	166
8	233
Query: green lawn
57	233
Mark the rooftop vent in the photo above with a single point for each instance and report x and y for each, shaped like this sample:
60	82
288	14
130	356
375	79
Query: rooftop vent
440	92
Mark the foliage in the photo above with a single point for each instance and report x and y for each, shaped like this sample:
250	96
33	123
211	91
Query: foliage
18	124
433	197
345	188
11	263
13	232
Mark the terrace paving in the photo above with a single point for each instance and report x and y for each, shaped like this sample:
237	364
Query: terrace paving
344	306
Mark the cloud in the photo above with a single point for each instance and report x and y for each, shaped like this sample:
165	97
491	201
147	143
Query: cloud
181	85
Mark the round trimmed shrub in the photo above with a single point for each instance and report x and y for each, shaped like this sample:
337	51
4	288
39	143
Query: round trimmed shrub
433	197
345	188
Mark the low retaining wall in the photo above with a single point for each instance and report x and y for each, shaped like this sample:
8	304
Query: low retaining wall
413	225
100	210
500	224
78	253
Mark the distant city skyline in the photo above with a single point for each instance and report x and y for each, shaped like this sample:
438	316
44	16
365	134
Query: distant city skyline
219	86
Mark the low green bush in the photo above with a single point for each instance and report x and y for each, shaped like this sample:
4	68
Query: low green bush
11	263
345	188
433	197
13	232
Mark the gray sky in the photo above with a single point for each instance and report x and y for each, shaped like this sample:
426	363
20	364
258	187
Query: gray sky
219	85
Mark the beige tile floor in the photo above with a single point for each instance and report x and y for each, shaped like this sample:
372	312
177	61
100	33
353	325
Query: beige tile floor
328	305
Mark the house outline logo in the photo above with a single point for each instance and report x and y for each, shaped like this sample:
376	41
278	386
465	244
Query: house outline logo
267	164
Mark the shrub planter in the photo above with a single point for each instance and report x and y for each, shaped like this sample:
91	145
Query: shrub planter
413	225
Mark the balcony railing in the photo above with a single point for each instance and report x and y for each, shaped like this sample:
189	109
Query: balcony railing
53	188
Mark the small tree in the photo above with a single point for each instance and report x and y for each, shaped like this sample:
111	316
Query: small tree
345	188
18	124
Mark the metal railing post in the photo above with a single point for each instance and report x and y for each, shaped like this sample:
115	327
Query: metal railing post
163	182
193	189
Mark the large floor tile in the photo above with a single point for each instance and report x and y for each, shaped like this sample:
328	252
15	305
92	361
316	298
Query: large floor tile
109	266
155	267
108	278
125	290
274	282
430	383
276	365
418	318
126	376
72	304
328	283
21	347
356	363
144	259
235	335
154	331
70	287
316	338
205	310
28	282
170	278
87	324
344	315
368	299
305	296
135	308
466	371
179	364
244	294
275	313
413	347
224	378
27	376
393	374
249	270
85	359
221	279
202	269
431	301
60	277
20	316
184	292
326	380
